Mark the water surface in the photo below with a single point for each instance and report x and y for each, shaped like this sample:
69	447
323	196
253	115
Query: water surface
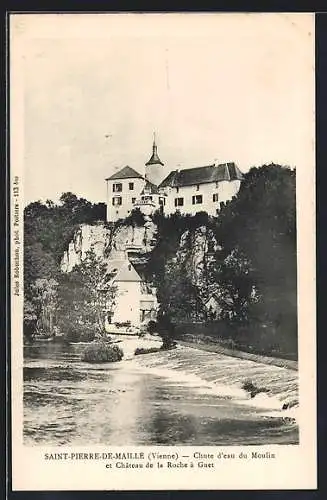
161	398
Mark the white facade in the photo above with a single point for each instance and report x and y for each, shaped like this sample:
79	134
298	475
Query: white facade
122	195
189	191
127	303
200	197
134	301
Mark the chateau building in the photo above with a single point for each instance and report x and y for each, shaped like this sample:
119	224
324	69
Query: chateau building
134	302
201	188
188	191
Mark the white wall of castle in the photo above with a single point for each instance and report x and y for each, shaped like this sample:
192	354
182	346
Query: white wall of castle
224	191
127	197
121	203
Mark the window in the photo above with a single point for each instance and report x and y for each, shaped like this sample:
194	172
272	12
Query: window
215	197
133	200
162	201
197	199
217	184
179	202
116	200
177	190
117	188
131	186
197	187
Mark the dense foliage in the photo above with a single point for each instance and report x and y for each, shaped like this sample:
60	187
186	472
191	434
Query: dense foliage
258	265
177	295
252	270
84	295
135	218
48	228
102	352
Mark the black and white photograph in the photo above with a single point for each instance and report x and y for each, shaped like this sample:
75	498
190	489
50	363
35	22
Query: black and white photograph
156	229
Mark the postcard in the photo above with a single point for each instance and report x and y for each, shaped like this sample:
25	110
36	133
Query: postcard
162	194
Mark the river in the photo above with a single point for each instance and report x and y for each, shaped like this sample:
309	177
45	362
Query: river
180	397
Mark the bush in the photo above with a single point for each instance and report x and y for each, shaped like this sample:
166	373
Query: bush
136	218
102	352
149	350
79	333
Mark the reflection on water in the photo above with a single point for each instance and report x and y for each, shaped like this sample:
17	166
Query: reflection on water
67	402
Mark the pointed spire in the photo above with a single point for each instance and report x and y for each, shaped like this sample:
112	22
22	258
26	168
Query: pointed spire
154	160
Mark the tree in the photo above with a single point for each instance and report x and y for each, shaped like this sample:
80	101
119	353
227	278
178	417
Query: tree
44	302
233	275
48	229
30	319
257	266
85	294
178	296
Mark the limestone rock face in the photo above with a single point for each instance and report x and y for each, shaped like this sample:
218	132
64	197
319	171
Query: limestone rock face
196	249
109	242
136	241
86	238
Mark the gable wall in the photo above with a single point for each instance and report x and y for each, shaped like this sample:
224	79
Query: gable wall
121	211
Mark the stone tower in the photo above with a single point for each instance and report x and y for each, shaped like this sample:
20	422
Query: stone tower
154	171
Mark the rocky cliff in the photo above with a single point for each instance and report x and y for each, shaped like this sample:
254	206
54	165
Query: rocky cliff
110	241
194	251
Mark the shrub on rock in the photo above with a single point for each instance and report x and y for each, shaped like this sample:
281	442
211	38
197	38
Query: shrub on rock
102	352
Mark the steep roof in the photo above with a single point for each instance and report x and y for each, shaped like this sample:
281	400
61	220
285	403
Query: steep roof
202	175
154	160
150	187
125	173
122	270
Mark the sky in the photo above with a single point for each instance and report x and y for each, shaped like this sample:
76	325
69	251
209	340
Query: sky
214	88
